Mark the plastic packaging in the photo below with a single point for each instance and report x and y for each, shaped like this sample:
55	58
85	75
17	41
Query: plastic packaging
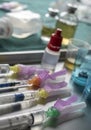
25	23
52	51
6	28
12	6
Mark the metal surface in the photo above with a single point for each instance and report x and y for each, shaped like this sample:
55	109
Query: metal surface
25	57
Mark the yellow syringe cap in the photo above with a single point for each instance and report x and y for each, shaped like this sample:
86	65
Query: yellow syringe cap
43	93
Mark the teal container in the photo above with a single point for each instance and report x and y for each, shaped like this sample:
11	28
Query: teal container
81	75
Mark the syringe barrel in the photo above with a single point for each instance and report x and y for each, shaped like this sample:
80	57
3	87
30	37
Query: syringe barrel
19	119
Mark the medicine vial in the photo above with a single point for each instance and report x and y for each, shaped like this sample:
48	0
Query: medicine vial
49	24
68	22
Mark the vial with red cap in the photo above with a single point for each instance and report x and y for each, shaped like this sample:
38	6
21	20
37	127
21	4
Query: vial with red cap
52	51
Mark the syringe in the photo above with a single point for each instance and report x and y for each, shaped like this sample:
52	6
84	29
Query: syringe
61	89
10	84
23	85
39	80
25	71
19	71
16	97
17	106
26	119
18	88
31	118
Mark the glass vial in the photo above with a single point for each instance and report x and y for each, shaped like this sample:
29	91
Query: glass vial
52	51
68	22
49	24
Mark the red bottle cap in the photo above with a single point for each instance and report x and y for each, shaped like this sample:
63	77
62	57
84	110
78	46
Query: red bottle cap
55	41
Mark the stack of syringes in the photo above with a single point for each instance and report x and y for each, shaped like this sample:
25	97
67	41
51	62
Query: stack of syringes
24	87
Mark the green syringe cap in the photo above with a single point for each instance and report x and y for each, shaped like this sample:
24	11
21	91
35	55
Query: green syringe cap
52	112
